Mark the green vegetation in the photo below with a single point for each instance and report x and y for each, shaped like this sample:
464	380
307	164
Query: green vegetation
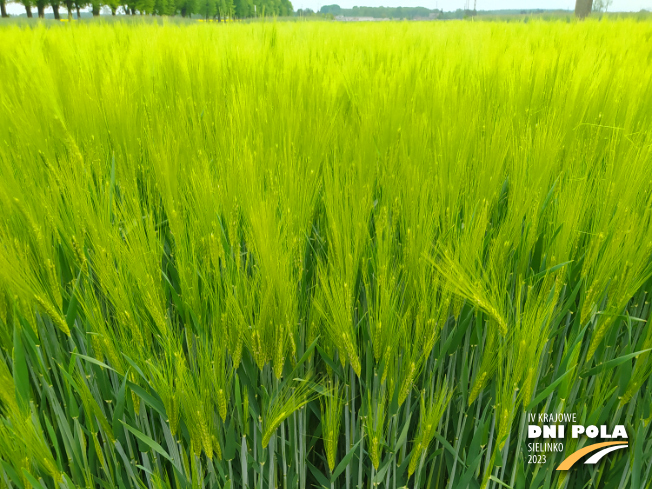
317	254
207	9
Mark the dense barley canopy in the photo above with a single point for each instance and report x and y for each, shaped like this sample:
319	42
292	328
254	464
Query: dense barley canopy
232	255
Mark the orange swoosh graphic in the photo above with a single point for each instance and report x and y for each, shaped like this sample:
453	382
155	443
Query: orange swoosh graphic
574	457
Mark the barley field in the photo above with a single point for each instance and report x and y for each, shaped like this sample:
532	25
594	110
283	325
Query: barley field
303	255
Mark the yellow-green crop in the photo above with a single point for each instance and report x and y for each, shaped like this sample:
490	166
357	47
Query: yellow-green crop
314	254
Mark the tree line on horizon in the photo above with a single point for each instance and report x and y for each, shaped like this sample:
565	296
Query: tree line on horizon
582	9
381	12
208	9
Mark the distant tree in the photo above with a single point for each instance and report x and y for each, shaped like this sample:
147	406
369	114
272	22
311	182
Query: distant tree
243	8
229	8
96	5
261	7
165	7
113	5
207	8
40	7
130	7
55	4
271	8
331	9
286	8
222	9
79	4
145	6
28	7
3	8
583	8
70	6
186	7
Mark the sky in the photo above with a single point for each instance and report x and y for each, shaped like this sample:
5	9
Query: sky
617	5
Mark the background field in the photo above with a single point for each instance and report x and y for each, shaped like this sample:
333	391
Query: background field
313	254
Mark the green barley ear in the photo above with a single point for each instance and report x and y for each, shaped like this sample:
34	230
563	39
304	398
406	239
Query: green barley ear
528	385
504	426
351	353
331	413
71	145
22	440
388	358
206	437
375	426
432	331
79	255
135	398
604	323
430	414
289	398
96	343
407	382
192	411
632	388
467	280
478	385
33	225
417	450
216	447
293	346
57	319
221	404
488	365
133	328
115	359
258	349
374	450
236	354
167	386
376	342
279	358
53	283
98	448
